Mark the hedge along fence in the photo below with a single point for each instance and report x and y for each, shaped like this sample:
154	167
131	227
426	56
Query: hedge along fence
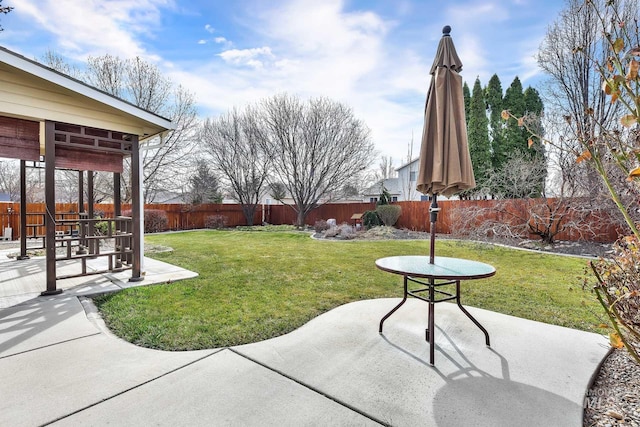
415	215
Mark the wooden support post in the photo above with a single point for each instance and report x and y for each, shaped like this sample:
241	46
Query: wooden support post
23	210
117	197
80	191
117	212
136	210
50	203
82	243
90	202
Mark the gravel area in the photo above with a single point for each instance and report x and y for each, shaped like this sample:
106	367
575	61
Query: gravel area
614	398
580	248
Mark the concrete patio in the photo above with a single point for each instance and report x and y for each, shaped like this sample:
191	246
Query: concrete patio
61	366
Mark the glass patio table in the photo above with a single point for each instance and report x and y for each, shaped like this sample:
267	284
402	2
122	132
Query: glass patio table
444	271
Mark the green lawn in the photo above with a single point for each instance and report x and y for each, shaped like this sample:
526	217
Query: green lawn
253	286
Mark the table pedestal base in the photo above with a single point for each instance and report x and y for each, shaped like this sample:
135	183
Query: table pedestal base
431	286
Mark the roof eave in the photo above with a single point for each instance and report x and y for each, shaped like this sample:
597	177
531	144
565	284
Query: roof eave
32	67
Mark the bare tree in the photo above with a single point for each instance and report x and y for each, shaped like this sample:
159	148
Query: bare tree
107	73
278	191
581	112
232	142
164	161
385	168
4	10
314	147
59	63
533	213
518	218
517	179
10	179
142	84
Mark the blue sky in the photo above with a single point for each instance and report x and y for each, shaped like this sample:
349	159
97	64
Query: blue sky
371	55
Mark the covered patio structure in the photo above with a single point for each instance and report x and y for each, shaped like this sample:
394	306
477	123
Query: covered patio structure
60	122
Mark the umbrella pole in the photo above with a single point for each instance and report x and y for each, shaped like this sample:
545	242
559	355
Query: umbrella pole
433	211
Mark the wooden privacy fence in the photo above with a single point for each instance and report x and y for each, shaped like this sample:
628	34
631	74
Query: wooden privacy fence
415	215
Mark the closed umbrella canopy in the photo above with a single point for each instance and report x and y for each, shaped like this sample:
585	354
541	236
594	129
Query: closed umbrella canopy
445	163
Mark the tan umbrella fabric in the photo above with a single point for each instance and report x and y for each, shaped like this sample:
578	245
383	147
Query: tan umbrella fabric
445	163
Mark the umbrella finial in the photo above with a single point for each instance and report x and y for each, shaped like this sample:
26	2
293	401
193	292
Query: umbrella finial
446	31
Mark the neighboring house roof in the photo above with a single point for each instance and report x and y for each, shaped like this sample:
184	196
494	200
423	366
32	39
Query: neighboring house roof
393	186
411	164
168	197
30	90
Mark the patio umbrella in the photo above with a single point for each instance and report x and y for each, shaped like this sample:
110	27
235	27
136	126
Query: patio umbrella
445	163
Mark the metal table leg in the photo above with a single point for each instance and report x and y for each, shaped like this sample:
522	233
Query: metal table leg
432	307
404	299
486	334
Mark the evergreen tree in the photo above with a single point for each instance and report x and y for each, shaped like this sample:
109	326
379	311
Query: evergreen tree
515	136
533	110
204	185
467	99
493	97
478	133
525	104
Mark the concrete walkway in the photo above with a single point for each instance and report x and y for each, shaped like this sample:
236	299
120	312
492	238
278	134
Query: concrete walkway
24	280
59	365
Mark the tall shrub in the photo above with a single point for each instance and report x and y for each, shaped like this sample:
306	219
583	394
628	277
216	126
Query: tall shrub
389	214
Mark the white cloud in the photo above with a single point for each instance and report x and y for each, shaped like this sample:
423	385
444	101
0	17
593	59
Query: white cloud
374	60
97	26
255	57
477	14
318	49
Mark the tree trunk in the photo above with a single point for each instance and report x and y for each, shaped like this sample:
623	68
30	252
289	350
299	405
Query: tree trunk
300	218
249	213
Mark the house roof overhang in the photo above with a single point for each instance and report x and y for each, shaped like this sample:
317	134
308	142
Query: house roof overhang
32	91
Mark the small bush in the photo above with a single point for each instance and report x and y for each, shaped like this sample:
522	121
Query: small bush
155	220
320	226
389	214
216	221
370	219
101	228
346	231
